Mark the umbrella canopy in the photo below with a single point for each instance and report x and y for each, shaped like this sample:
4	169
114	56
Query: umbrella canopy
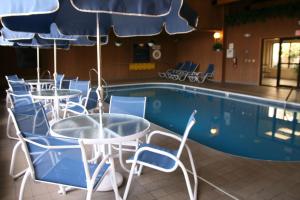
96	17
4	42
72	21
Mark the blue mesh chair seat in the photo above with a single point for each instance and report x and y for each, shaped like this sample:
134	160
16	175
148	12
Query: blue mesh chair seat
62	166
156	159
164	159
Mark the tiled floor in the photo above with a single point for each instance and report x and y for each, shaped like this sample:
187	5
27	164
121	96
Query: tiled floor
243	178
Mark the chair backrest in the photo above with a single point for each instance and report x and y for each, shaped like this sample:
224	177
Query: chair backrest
13	77
66	82
59	79
188	128
92	99
30	120
179	65
18	86
128	105
186	66
83	86
19	98
210	69
193	67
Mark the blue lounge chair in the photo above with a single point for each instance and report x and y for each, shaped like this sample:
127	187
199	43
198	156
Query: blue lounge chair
201	77
185	66
170	71
164	159
185	73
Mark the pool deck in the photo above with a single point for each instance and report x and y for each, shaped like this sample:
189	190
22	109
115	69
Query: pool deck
282	94
243	178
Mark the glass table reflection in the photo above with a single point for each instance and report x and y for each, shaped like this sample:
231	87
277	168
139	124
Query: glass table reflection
117	128
53	94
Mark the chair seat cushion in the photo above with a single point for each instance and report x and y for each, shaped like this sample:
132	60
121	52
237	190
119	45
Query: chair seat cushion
76	109
155	159
65	168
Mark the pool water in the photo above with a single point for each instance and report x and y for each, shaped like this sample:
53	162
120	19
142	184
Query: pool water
235	127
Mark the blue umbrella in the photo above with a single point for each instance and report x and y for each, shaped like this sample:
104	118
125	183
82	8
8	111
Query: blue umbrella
25	39
4	42
96	17
125	7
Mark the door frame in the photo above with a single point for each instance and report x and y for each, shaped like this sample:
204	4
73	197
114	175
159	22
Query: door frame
279	64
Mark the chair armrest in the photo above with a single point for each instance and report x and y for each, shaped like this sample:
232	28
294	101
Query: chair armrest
164	134
69	104
157	151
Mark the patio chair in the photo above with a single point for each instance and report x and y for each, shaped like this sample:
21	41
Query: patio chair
20	99
132	106
58	161
59	79
13	77
88	104
164	159
172	70
66	82
18	86
185	73
201	77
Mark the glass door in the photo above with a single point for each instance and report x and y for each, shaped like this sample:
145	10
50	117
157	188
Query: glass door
289	62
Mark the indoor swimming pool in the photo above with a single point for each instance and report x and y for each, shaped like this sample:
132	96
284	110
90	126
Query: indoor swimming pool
236	124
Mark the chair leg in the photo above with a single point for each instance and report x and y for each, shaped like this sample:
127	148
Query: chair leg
113	179
187	181
23	184
129	180
8	129
89	193
12	163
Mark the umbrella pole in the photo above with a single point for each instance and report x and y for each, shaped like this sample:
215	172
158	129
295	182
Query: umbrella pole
56	106
99	69
38	68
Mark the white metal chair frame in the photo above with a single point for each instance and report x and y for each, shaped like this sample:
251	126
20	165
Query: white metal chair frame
8	129
201	77
90	178
182	140
184	74
82	103
134	144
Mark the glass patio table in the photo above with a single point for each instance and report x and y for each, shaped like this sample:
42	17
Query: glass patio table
117	128
43	82
55	95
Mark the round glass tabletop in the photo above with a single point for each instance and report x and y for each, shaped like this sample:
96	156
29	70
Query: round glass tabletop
116	127
52	94
42	81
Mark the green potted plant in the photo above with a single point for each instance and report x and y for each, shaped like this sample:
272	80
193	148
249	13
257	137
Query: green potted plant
217	46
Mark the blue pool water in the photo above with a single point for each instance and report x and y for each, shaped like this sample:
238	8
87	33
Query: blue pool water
241	128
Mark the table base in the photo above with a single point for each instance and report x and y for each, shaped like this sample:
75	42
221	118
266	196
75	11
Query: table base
105	184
